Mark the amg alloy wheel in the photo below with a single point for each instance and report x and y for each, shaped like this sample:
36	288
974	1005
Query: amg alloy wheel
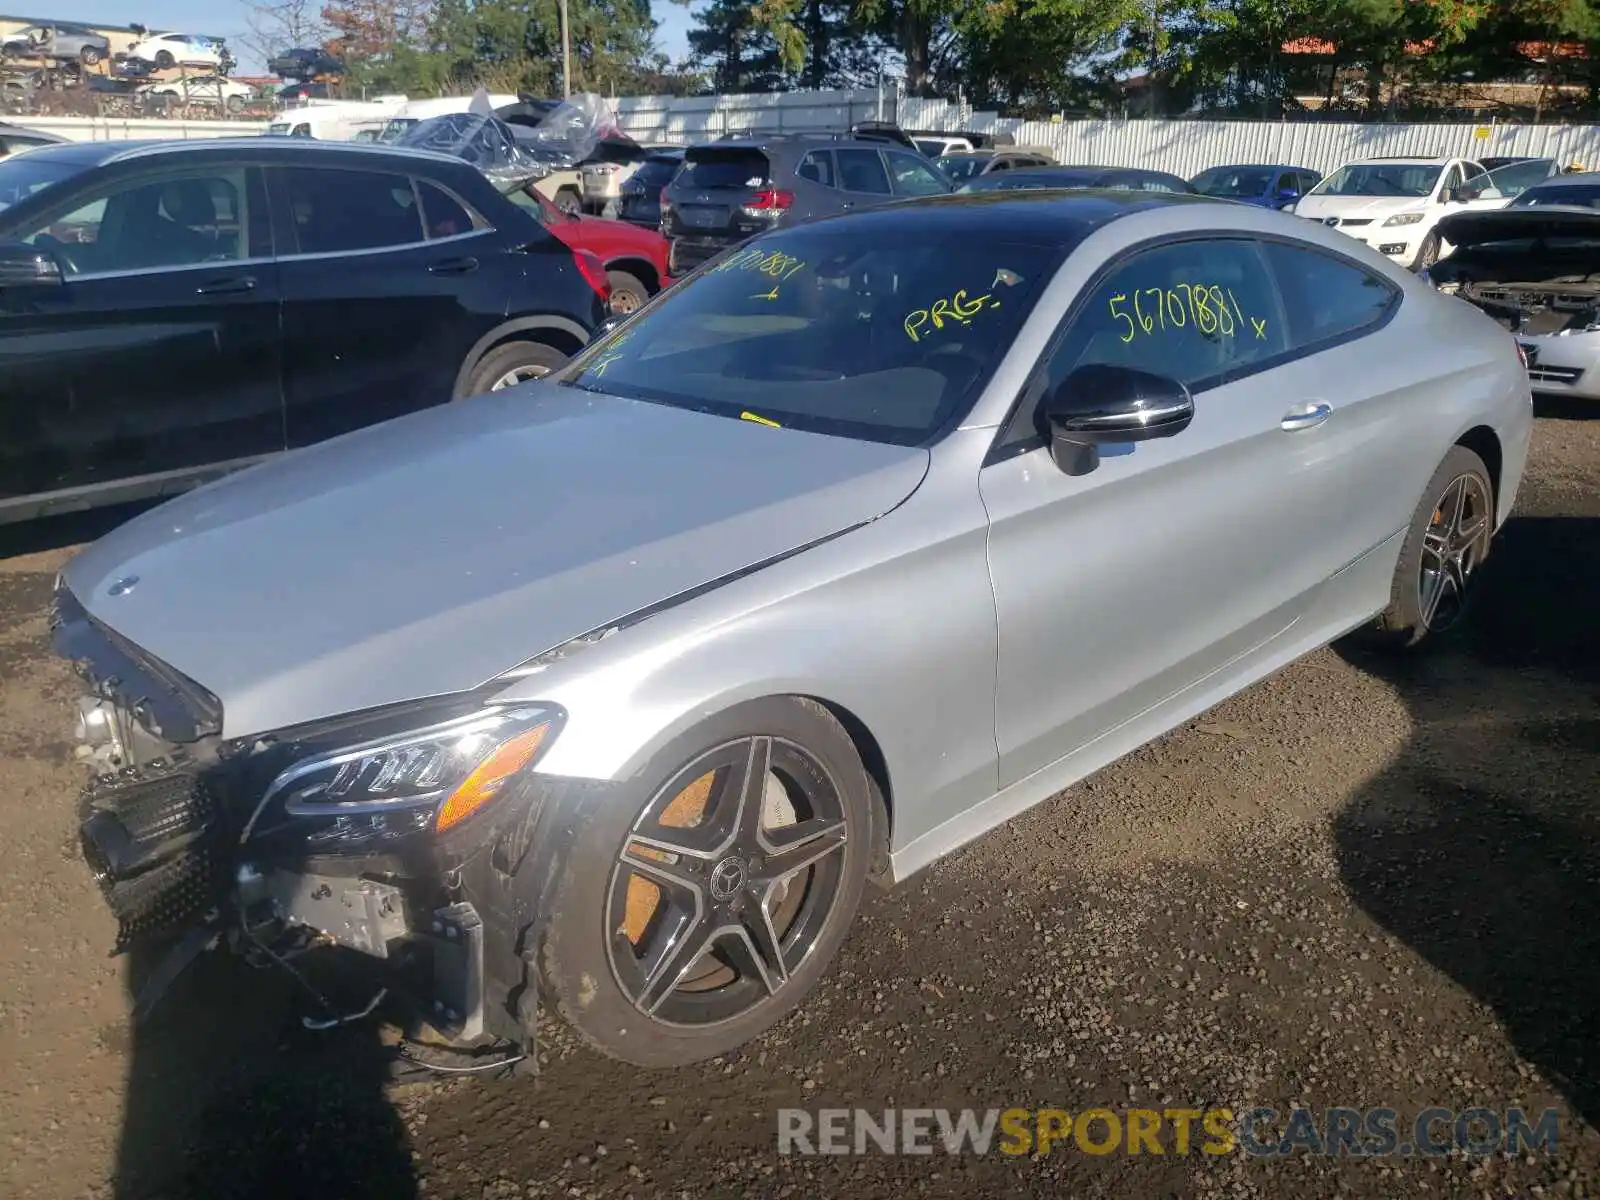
725	881
728	883
1456	541
1447	543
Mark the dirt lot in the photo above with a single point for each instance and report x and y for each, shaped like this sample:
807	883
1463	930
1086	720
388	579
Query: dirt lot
1355	885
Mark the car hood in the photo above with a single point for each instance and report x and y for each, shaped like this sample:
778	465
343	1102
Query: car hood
432	553
1357	206
1533	221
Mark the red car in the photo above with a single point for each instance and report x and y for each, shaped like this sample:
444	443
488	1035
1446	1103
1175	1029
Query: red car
635	259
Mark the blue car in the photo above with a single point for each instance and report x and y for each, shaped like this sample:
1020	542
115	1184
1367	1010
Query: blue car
1266	186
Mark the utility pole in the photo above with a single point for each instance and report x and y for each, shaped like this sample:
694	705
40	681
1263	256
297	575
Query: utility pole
566	52
1155	55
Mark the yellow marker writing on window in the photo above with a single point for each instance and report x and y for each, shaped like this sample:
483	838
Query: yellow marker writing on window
955	308
1210	310
750	416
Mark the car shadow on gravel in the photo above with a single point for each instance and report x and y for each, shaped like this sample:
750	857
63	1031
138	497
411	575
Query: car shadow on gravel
229	1097
1480	845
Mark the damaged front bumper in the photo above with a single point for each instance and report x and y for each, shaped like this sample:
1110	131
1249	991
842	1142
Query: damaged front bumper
173	829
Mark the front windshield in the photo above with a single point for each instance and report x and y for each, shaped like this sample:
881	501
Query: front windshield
1233	181
961	166
23	175
872	331
1413	180
1574	195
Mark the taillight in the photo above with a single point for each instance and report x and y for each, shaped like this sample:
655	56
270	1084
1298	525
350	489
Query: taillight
770	200
663	201
1522	354
594	272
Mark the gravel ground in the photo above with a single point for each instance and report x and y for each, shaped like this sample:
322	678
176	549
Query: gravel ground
1357	884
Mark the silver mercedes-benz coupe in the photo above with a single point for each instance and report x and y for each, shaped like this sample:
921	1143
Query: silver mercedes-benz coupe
614	689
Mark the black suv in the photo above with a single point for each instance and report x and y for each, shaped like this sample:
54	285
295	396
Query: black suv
733	189
170	310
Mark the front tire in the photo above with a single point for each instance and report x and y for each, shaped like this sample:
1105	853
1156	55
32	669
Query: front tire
568	201
628	292
165	60
1447	543
1427	253
89	56
508	365
700	909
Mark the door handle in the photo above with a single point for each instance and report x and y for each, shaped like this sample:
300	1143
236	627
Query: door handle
454	266
1304	416
227	287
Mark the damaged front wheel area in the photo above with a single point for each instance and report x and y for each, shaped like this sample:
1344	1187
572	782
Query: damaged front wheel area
702	907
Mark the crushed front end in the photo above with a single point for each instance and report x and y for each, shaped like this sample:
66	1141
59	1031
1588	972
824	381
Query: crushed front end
362	833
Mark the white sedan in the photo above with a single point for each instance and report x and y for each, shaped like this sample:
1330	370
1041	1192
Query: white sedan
171	49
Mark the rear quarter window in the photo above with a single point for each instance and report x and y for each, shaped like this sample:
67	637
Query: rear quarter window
1328	299
725	169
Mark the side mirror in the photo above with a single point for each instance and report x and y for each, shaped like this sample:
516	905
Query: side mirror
22	265
1100	403
1288	195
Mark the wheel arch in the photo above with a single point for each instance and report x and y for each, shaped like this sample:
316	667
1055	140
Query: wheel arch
561	333
641	269
1485	443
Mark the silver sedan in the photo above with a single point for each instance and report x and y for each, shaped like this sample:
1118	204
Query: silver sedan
616	688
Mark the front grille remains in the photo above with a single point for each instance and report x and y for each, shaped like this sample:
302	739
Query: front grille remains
149	835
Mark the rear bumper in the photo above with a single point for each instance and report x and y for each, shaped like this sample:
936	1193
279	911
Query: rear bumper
688	253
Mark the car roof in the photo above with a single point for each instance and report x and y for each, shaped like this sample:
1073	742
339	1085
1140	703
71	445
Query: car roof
100	154
1425	159
1034	214
1257	167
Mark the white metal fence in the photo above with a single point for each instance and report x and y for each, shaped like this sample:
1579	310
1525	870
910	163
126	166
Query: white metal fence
101	129
1182	147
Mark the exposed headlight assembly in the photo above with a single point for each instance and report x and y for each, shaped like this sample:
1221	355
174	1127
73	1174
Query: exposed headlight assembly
1403	219
438	775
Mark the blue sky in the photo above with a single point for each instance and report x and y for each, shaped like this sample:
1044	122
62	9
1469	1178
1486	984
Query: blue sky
226	18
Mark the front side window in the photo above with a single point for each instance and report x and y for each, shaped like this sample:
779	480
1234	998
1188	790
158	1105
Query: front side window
1326	298
883	333
1199	311
1414	180
155	223
862	171
337	210
913	177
